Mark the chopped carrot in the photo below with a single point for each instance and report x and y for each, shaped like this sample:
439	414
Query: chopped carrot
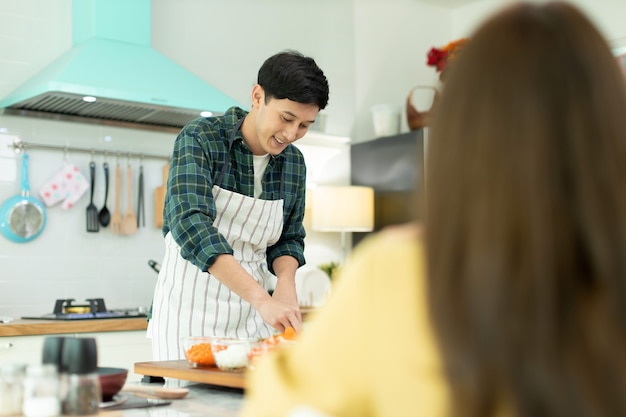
290	333
272	340
201	355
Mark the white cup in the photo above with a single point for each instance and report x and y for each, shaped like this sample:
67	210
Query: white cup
386	119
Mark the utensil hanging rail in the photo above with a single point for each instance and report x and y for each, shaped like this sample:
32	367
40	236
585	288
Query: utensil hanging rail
19	146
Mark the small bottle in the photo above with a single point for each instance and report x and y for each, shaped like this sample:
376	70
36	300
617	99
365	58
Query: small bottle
11	390
80	378
41	391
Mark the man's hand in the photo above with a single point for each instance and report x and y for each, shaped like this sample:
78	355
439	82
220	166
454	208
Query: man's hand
285	292
280	315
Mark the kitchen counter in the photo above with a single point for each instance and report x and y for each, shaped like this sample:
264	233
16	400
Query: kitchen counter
202	401
28	327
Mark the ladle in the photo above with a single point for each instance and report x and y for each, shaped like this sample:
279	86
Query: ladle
104	216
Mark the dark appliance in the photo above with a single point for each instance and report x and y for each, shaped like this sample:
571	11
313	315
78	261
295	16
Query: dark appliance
394	167
94	309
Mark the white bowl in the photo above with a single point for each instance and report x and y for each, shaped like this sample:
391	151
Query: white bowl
233	355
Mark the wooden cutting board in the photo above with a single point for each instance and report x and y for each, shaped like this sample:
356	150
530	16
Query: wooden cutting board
159	198
181	370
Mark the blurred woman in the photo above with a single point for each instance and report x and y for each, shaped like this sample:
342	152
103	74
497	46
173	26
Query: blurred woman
522	308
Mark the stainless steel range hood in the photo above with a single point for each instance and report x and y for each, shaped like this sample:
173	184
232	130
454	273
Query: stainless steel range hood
112	62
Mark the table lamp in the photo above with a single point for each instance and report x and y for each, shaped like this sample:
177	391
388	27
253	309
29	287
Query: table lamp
343	209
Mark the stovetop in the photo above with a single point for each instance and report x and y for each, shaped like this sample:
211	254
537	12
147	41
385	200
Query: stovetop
97	310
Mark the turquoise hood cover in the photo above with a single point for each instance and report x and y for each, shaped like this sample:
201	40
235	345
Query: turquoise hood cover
112	61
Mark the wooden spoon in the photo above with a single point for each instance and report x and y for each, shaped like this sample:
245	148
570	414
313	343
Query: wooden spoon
116	218
130	221
158	392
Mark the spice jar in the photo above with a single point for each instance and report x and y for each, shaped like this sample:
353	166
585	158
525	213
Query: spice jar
11	391
41	391
80	377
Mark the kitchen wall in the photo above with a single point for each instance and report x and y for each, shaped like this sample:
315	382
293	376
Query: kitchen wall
372	51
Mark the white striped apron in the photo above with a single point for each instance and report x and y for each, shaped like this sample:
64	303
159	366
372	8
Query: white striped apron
191	302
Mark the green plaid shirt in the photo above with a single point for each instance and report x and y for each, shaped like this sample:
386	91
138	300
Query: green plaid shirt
200	151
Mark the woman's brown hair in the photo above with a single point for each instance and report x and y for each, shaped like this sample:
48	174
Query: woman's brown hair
526	219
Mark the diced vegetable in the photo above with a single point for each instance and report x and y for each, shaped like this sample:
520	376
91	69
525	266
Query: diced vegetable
201	355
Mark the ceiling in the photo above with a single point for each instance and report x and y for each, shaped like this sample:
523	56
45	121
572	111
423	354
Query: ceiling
449	3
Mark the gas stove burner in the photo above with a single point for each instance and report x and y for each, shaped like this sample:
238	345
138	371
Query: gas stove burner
64	309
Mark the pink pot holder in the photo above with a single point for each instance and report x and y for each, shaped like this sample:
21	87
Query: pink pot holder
67	185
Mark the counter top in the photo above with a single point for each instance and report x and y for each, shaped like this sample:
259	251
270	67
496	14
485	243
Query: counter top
28	327
202	401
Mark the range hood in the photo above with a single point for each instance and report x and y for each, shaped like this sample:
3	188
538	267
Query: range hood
112	62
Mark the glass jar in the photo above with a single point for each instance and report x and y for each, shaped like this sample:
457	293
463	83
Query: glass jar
41	391
11	391
80	381
82	396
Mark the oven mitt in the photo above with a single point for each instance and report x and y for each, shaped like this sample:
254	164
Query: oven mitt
67	185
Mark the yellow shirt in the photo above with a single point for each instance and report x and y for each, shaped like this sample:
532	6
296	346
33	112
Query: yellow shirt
369	352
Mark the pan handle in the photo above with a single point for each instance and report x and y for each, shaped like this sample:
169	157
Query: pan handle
154	265
25	183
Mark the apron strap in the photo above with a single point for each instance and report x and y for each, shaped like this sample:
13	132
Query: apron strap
231	139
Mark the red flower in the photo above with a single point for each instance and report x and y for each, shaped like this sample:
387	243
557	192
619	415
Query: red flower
436	58
439	57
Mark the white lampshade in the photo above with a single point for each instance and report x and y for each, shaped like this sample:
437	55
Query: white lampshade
343	209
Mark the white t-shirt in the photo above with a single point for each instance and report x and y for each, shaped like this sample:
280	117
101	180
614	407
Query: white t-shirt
260	162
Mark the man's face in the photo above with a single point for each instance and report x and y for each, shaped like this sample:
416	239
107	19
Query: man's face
281	122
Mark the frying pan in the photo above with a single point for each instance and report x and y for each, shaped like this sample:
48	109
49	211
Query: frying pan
22	217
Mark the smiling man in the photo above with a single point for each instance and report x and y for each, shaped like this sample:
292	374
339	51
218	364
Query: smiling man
233	213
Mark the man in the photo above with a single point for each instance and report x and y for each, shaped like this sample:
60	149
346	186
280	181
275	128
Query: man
233	213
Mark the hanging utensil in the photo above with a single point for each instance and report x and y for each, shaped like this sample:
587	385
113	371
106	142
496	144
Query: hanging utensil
22	217
129	225
116	218
92	211
159	198
141	210
154	265
104	217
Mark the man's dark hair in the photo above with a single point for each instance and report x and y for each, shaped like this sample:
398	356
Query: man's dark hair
293	76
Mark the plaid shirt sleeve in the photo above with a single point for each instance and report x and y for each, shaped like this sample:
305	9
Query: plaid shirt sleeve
189	205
